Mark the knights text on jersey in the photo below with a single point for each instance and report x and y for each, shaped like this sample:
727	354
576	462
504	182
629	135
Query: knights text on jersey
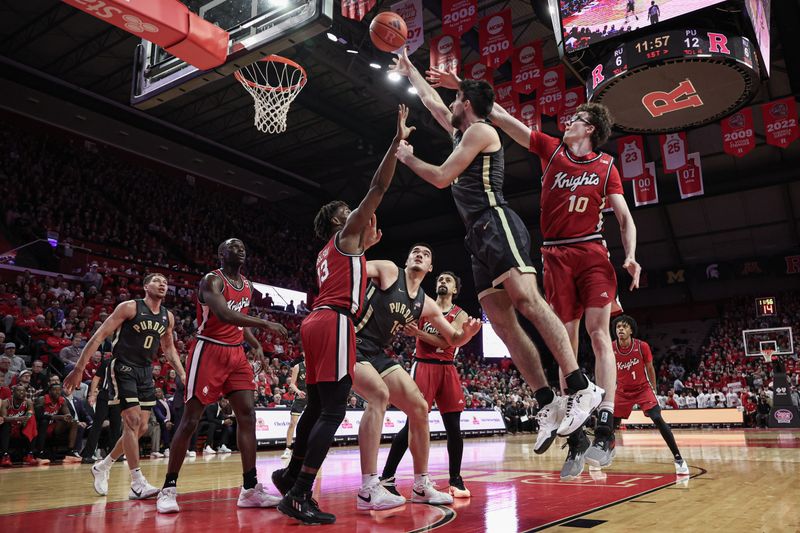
341	278
238	299
631	364
429	351
574	191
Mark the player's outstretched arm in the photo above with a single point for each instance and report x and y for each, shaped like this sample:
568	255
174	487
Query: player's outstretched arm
510	125
430	98
168	345
432	313
628	230
124	311
385	272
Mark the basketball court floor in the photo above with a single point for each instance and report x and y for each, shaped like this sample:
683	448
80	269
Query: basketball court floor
741	480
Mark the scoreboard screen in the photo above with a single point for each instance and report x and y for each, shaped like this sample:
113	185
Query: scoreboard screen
586	22
766	306
758	11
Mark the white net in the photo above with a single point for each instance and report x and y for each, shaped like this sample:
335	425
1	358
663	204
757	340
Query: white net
273	82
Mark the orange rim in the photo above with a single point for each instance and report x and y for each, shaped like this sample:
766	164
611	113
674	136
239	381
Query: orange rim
275	59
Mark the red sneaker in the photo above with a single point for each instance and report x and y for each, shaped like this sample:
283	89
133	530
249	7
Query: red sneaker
30	461
6	461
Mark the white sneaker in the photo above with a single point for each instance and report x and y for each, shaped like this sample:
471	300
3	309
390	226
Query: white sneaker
287	454
426	493
166	453
549	417
168	501
375	497
156	455
141	490
209	450
224	449
100	475
681	468
579	408
257	497
191	454
97	456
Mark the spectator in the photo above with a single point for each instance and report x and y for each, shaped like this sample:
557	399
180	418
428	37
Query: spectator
154	434
18	428
17	363
91	367
39	377
163	415
290	307
54	422
732	399
218	419
691	401
80	413
92	278
70	355
5	373
672	402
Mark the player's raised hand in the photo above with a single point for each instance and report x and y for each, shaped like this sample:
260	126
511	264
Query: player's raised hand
471	326
372	235
442	78
403	131
402	64
635	270
404	151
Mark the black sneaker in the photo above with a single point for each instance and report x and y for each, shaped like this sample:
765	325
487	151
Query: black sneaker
304	508
458	483
578	443
282	480
390	485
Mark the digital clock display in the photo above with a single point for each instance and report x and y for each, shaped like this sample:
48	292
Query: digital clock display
766	306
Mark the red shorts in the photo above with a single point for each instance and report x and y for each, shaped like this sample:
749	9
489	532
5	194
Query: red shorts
329	342
578	276
214	370
626	399
440	383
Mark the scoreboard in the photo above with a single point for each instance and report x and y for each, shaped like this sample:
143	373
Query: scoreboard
766	306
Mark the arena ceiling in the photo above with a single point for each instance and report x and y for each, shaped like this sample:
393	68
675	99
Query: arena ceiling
343	120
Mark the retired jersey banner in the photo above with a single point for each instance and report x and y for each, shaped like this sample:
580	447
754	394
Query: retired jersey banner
446	52
780	122
496	38
459	16
690	177
479	71
738	136
631	156
527	66
673	151
411	11
645	188
569	105
529	114
552	91
505	96
356	9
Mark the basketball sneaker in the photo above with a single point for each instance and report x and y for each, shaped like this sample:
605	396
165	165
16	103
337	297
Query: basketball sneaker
224	449
140	490
287	454
100	474
578	443
282	480
168	500
457	488
257	497
579	408
681	468
425	492
191	454
375	497
304	508
602	451
549	417
390	484
209	450
6	461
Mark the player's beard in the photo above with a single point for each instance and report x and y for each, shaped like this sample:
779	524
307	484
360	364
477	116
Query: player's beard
441	290
456	121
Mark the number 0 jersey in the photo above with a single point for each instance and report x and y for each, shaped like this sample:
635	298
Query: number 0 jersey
341	278
429	351
631	363
137	340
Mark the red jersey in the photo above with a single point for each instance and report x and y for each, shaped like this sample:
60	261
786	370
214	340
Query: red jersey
429	351
341	278
212	328
631	361
21	409
53	407
574	191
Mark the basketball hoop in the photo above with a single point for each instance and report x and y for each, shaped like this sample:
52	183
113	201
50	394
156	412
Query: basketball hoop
766	353
273	82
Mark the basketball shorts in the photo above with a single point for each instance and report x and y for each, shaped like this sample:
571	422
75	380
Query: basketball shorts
626	399
329	342
299	405
497	241
380	361
439	383
130	385
214	370
578	276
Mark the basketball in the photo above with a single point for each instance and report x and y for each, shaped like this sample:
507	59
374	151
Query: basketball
388	31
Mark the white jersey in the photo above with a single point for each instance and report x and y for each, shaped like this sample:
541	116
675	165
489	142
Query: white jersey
681	401
674	152
732	399
632	161
691	402
702	400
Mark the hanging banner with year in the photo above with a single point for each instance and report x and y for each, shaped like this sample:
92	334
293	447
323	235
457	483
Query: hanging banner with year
645	188
738	135
507	98
673	150
631	156
446	53
569	105
356	9
496	38
479	71
459	16
780	122
690	177
411	11
527	65
552	90
529	114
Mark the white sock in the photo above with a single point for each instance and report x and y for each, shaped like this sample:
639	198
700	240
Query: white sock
367	479
107	462
420	479
136	475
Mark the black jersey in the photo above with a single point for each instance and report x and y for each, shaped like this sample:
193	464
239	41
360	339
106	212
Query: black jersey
480	186
386	313
137	340
301	377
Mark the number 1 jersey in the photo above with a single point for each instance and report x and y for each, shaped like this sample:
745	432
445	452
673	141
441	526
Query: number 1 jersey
631	363
341	278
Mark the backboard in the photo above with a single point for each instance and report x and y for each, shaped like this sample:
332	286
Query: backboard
778	340
257	28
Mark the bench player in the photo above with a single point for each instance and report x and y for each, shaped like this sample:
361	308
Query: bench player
298	386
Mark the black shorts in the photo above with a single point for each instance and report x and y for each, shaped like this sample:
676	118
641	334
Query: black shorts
497	242
380	362
130	386
299	405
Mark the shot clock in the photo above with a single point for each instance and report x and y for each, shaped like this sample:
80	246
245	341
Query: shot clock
766	306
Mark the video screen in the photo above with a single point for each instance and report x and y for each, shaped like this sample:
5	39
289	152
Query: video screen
585	22
758	11
493	347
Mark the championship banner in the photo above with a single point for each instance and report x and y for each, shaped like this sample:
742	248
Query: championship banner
780	122
459	16
496	38
738	136
552	91
631	156
356	9
506	97
530	116
479	71
569	105
645	188
527	65
445	53
690	177
411	11
673	151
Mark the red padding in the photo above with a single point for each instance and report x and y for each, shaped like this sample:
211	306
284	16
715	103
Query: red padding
205	47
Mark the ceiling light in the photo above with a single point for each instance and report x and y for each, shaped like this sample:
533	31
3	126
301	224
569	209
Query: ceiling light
394	77
351	51
332	37
412	90
375	66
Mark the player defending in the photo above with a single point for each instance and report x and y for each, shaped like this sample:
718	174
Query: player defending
636	379
218	366
328	334
298	386
499	245
139	328
435	374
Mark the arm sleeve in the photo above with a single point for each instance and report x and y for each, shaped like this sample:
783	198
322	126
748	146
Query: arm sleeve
647	353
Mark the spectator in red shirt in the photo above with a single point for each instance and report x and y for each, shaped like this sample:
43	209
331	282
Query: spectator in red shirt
671	403
91	367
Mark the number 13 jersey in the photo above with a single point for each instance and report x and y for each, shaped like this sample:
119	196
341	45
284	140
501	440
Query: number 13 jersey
341	278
